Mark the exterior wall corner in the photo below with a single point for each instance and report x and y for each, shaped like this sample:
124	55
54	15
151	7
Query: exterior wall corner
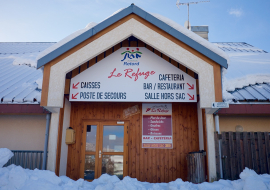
210	128
52	148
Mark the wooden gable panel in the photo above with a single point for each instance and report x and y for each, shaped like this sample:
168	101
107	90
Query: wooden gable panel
216	67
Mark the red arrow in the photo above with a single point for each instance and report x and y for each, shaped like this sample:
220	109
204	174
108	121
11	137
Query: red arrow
191	97
191	87
74	97
75	87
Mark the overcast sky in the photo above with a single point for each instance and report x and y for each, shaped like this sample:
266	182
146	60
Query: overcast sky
52	20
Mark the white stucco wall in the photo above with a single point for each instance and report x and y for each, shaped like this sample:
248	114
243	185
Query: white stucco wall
200	127
142	32
210	129
52	145
64	146
22	132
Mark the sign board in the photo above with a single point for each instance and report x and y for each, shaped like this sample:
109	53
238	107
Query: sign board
220	105
131	111
133	75
157	126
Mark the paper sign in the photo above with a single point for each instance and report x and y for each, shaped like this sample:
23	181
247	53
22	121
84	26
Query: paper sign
112	137
157	126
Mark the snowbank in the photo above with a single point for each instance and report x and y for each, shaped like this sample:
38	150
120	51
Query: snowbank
15	177
5	155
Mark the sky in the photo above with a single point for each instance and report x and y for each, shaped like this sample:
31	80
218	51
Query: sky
52	20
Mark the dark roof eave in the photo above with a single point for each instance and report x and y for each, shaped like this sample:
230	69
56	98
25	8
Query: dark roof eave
125	12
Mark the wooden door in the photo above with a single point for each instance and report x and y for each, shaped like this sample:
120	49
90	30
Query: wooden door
104	149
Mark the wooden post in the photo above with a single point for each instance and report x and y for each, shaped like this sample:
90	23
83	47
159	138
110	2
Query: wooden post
239	157
217	154
253	152
260	147
267	148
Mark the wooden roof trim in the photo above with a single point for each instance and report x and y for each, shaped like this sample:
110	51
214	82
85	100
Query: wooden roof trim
132	9
46	73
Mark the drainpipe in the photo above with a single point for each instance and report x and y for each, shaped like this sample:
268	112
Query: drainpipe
219	143
48	118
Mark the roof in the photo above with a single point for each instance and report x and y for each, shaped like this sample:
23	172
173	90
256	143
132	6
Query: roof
180	33
248	75
236	47
257	92
20	81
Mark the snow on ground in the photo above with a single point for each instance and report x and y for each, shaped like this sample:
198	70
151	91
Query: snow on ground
16	178
5	155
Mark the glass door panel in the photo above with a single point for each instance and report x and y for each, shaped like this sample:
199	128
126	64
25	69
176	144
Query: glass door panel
104	149
89	169
113	150
91	138
90	152
113	165
113	138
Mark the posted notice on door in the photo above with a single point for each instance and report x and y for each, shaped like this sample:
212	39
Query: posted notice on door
157	126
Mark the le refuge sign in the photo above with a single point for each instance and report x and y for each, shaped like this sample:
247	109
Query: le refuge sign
133	75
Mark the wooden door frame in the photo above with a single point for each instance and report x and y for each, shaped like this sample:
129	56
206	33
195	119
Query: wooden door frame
99	137
83	146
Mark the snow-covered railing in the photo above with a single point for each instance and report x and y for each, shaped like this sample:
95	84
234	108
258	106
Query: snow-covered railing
30	159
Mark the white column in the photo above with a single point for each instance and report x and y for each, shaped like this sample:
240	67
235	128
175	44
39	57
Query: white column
200	127
53	134
64	147
217	123
210	128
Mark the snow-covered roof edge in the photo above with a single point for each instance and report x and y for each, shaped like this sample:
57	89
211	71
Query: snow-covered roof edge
248	72
181	33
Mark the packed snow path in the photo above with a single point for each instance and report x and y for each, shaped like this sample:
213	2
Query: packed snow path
15	177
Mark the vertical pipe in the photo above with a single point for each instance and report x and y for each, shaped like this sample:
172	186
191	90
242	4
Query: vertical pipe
219	143
217	123
48	118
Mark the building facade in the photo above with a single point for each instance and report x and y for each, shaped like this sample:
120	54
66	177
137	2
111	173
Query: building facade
89	87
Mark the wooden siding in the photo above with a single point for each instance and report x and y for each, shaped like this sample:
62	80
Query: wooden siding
240	150
152	165
129	43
